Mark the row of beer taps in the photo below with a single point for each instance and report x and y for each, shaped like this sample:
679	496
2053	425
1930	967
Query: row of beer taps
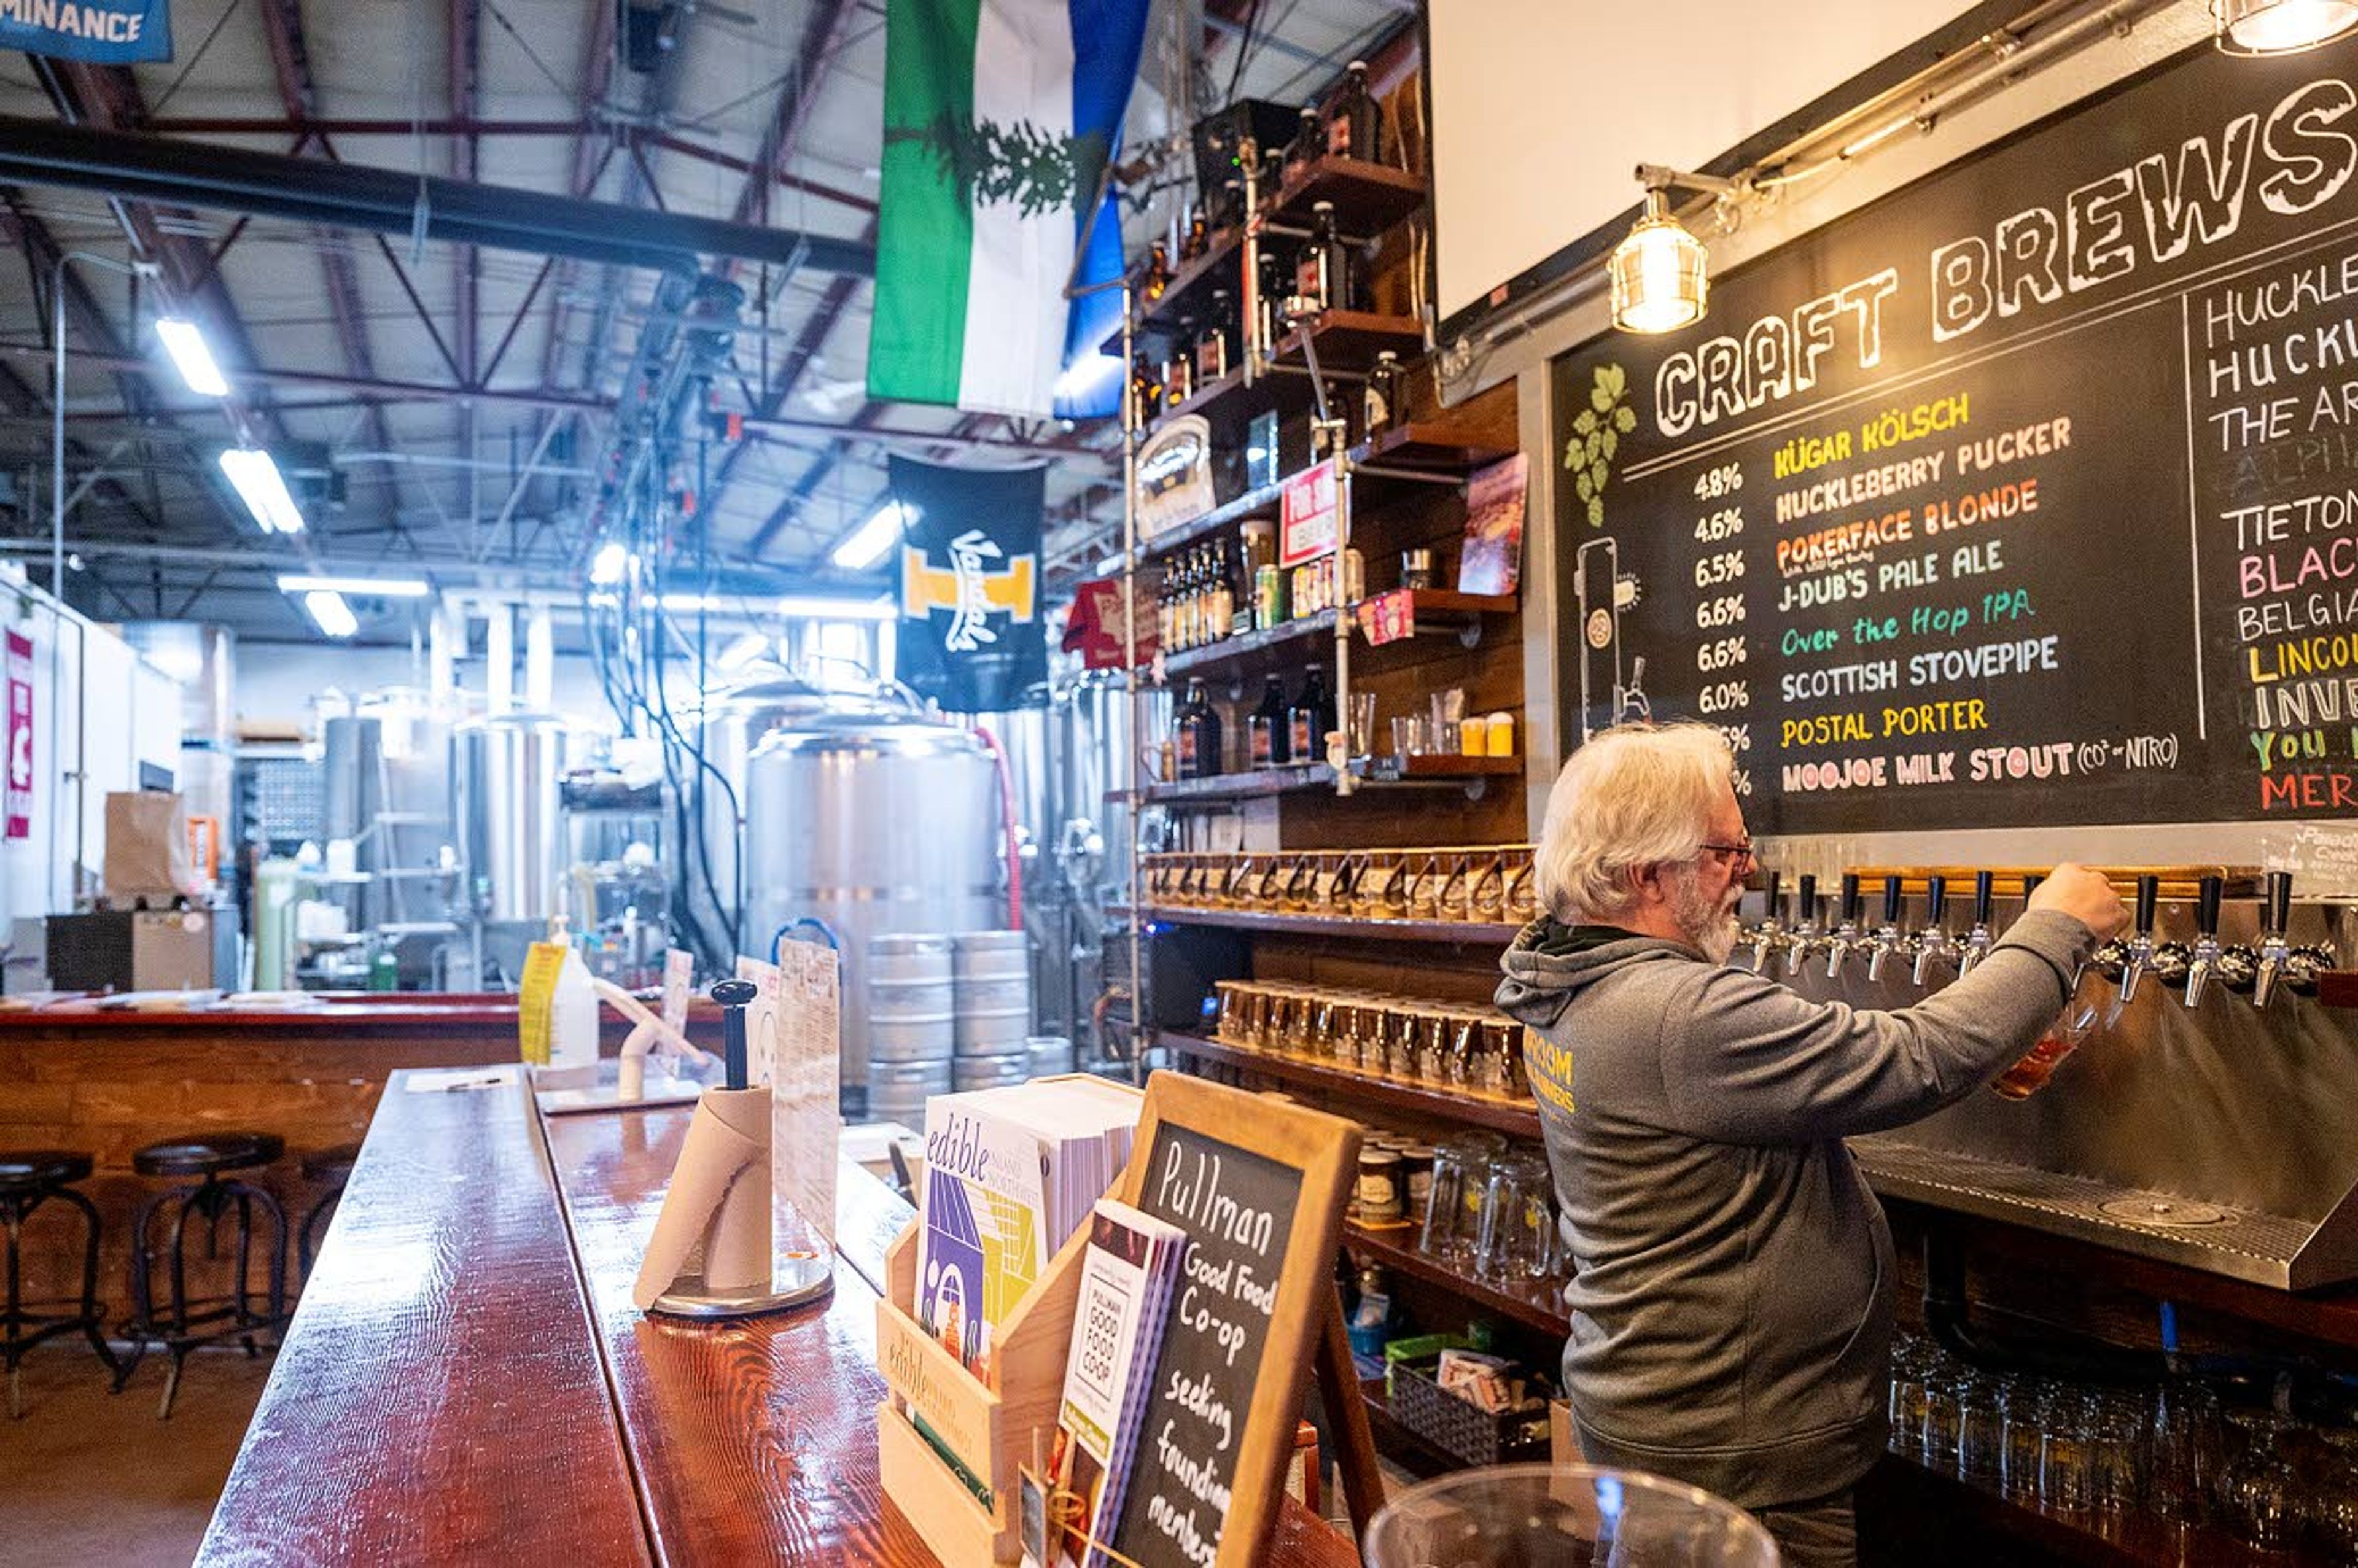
1933	953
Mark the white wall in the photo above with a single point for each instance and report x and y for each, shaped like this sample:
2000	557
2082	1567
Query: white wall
1538	96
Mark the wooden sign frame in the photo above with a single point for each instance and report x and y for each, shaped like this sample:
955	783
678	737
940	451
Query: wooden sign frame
1325	1150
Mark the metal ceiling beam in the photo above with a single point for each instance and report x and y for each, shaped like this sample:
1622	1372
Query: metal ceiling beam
390	201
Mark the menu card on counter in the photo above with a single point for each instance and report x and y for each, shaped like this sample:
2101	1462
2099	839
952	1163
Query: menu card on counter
2028	494
1258	1185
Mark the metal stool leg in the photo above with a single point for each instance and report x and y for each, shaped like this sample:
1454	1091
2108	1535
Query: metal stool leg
15	1221
141	1329
92	1318
277	1258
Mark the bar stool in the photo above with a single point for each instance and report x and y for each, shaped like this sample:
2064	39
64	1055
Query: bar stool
333	1166
210	1157
29	1178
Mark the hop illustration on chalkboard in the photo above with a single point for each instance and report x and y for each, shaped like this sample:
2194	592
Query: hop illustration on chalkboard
1596	434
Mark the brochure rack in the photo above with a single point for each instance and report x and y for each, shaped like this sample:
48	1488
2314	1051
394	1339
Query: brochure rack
993	1431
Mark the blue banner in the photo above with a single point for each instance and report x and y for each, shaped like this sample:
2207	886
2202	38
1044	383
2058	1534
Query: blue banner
104	32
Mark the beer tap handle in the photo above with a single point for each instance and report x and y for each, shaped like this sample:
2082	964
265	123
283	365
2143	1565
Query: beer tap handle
2149	893
2206	907
1850	902
1775	878
2206	949
1809	906
2278	914
1891	901
1936	900
1985	884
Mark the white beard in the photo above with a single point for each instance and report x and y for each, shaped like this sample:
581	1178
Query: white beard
1712	930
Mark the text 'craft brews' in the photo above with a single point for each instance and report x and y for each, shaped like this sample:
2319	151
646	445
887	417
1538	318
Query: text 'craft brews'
2042	472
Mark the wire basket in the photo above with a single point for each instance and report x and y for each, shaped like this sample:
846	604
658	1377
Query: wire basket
1461	1428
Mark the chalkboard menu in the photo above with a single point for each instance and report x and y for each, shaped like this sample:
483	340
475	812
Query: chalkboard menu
2027	494
1237	1208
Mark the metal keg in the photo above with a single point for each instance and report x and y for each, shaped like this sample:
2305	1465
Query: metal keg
994	992
897	1091
1045	1055
991	1072
912	1004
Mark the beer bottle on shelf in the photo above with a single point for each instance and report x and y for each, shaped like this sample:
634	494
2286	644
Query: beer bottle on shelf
1145	390
1191	601
1212	342
1179	369
1167	616
1321	274
1198	240
1381	404
1222	596
1158	272
1309	143
1354	124
1268	727
1199	734
1269	296
1312	715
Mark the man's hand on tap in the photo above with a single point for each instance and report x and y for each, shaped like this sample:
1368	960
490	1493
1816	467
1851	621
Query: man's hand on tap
2072	889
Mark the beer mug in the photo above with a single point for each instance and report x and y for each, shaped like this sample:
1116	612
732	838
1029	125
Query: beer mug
1337	901
1268	888
1381	892
1300	881
1236	882
1425	881
1234	1028
1486	888
1522	886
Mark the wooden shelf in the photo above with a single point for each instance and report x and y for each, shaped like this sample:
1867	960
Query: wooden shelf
1349	341
1249	786
1189	291
1252	649
1469	933
1535	1307
1369	197
1519	1119
1426	449
1261	503
1441	765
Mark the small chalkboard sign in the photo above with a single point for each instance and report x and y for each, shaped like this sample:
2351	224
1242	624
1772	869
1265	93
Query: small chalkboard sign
1259	1184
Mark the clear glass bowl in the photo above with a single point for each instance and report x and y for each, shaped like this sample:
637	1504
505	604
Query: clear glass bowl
1510	1516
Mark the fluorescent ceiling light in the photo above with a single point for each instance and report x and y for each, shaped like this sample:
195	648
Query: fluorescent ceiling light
747	647
796	608
329	610
689	603
607	566
869	543
255	479
359	587
195	361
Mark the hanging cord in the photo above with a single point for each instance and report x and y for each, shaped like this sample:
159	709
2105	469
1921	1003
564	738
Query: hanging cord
1007	827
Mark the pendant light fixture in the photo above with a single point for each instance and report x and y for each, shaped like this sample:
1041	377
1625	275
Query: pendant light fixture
1661	273
2280	27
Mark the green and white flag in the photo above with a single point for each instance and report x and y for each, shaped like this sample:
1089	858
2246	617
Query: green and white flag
999	119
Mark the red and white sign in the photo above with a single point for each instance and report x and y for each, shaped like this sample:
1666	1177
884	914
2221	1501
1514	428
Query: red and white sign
1096	629
1311	521
20	736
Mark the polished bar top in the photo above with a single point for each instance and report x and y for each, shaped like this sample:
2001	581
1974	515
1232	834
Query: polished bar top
439	1397
354	1014
461	1385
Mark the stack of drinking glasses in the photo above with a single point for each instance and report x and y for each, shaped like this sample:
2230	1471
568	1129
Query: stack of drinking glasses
2168	1451
1492	1213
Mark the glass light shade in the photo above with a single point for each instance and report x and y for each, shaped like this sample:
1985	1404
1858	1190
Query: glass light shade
2280	27
1661	275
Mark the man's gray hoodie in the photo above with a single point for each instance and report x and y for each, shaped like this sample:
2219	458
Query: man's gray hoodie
1731	1312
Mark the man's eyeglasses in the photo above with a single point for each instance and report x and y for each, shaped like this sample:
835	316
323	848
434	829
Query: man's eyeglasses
1740	854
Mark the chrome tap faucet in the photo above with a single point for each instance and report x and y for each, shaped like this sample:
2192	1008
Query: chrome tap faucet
1976	945
1806	939
2205	963
1932	944
1887	935
1846	936
1769	935
2137	959
2276	914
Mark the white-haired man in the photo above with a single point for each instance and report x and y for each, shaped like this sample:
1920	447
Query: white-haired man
1731	1314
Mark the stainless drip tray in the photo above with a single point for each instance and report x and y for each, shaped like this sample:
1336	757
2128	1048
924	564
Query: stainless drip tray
2261	1247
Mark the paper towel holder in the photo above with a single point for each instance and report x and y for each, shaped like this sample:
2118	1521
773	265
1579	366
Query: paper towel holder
796	1276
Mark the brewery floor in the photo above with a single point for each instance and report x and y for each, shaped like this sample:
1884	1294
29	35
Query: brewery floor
92	1478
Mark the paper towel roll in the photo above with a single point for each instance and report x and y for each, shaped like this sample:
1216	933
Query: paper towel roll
720	1195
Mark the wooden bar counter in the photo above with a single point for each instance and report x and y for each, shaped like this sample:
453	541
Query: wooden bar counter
466	1381
107	1080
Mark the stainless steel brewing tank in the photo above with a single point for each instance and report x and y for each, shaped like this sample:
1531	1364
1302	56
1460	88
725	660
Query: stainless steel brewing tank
735	719
504	791
875	820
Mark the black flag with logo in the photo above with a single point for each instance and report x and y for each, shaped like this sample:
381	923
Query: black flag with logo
972	636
